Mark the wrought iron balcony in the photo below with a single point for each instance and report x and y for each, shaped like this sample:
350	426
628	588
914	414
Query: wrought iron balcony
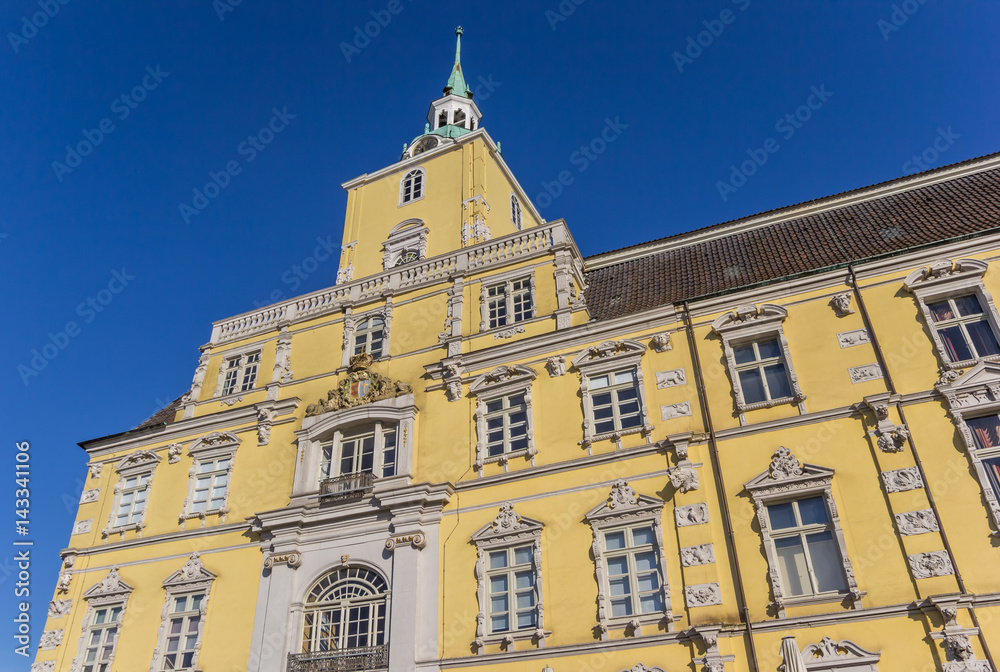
341	660
347	486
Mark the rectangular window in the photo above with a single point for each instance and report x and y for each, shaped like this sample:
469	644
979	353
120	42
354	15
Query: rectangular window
370	337
963	328
506	424
615	401
633	571
761	371
509	302
132	500
182	633
372	449
986	434
102	634
240	373
808	556
211	482
510	582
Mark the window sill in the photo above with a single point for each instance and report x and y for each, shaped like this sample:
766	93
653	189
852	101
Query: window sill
616	434
635	623
122	529
770	403
819	598
526	453
506	639
965	364
403	204
202	514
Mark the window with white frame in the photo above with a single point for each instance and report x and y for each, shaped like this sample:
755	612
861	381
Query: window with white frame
507	302
510	580
131	506
974	404
405	244
239	373
510	577
612	391
958	310
761	371
628	552
368	449
503	415
210	475
183	621
135	479
411	187
101	636
614	398
369	337
809	561
633	571
515	212
106	601
345	611
803	540
962	326
757	356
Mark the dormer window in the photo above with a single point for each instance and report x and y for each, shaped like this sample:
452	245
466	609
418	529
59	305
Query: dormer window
459	118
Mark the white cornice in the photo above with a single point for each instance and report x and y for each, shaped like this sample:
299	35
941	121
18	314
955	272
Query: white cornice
793	212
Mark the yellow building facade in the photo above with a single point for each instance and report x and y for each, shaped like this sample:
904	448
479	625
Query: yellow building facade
769	442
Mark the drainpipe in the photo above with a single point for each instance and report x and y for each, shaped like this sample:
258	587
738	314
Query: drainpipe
720	485
916	456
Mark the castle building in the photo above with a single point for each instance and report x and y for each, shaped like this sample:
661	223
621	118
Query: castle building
773	441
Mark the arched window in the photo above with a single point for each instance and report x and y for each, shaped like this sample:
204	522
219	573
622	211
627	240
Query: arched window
442	118
459	118
369	336
412	186
515	212
345	610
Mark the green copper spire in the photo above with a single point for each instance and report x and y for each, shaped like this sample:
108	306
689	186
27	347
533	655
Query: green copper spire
456	83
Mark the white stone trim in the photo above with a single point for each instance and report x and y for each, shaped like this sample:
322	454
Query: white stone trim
351	322
423	185
501	382
136	463
109	592
507	280
508	529
747	324
410	234
624	509
604	358
946	279
209	447
192	578
240	354
843	655
786	479
976	394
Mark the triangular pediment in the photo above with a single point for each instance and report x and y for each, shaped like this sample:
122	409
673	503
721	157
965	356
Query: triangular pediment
138	459
786	470
110	586
503	376
978	387
983	374
623	501
508	524
608	351
214	440
192	573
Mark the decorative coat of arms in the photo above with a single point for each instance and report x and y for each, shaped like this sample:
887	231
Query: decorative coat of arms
361	385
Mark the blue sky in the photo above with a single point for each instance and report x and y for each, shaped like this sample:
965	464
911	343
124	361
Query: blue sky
693	90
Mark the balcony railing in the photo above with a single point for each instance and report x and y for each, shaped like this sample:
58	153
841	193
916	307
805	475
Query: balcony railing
342	660
347	486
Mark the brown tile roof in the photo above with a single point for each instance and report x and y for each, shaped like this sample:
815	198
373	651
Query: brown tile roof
164	416
880	226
